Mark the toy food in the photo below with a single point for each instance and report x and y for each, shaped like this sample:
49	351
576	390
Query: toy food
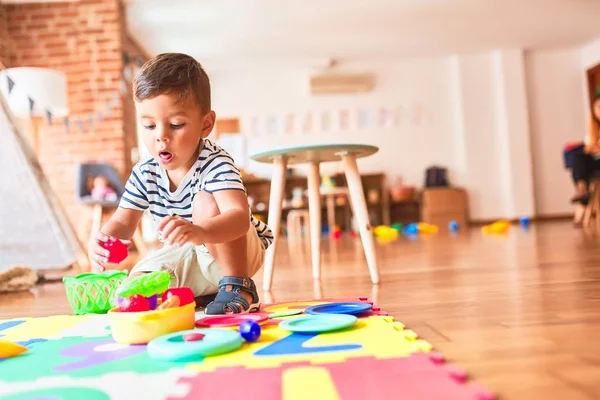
185	294
171	302
10	349
135	303
146	284
118	250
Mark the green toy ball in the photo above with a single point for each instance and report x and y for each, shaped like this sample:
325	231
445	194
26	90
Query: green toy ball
397	226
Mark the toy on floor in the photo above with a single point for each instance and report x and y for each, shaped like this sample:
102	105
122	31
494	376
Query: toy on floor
525	222
10	349
174	347
453	226
421	227
351	308
118	250
93	293
250	331
498	227
385	233
318	323
230	320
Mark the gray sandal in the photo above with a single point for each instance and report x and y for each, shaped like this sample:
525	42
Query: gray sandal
232	300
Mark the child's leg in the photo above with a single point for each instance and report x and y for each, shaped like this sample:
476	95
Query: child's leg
237	292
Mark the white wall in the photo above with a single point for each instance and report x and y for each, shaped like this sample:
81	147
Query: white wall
557	109
590	54
495	120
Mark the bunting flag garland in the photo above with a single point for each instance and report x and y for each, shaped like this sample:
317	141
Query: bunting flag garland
131	66
11	84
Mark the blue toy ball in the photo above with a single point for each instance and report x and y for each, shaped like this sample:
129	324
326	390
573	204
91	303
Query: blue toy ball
250	331
453	226
411	229
525	222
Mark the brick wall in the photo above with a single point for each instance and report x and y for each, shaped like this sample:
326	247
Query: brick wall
84	39
4	41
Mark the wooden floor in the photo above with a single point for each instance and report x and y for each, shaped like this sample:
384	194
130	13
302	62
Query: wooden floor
521	313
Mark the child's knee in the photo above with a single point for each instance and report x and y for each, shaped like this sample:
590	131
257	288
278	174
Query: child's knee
204	206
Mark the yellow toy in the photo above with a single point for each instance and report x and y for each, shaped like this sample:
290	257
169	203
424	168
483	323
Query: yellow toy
499	227
385	233
427	228
10	349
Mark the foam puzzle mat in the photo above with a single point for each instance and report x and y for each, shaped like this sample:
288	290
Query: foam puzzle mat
74	357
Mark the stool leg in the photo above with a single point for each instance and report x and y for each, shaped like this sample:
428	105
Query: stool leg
314	209
359	205
330	212
274	219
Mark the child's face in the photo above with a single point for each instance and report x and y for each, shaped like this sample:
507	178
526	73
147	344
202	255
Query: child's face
172	129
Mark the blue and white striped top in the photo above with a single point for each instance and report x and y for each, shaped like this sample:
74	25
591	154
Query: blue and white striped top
148	186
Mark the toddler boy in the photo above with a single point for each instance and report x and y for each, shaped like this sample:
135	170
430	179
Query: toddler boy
193	190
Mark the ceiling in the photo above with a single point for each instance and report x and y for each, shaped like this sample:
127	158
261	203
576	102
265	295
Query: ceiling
265	31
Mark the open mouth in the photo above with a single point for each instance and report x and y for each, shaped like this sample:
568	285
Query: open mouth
165	157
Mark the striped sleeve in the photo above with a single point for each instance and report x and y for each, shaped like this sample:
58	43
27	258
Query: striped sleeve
221	174
135	196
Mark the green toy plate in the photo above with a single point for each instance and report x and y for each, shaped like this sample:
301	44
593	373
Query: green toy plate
174	347
318	323
285	314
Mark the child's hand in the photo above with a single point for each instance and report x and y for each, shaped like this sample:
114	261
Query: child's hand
178	231
97	254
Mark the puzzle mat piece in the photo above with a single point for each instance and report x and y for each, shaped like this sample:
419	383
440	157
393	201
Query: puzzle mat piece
419	376
376	336
79	357
54	327
114	386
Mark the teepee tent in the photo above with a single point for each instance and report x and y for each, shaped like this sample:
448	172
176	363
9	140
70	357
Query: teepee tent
34	230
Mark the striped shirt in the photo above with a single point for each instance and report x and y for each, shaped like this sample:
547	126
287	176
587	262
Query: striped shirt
148	187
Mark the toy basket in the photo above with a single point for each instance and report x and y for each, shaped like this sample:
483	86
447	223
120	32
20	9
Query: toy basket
93	293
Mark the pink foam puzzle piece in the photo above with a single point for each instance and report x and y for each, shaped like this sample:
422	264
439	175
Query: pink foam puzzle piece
423	376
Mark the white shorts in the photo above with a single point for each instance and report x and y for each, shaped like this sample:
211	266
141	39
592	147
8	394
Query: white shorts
194	267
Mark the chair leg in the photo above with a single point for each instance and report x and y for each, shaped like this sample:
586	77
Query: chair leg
274	219
359	205
314	209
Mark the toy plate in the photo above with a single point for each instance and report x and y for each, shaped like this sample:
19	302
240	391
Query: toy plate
318	323
222	321
174	347
339	308
285	314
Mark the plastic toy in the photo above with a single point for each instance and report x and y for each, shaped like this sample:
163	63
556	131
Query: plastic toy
385	233
453	226
153	301
142	327
339	308
285	314
427	228
10	349
318	323
118	250
397	226
171	302
185	294
93	293
250	331
411	229
498	227
135	303
525	221
193	337
146	284
230	320
174	348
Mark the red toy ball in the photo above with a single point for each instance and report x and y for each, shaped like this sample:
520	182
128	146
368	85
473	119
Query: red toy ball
118	250
135	303
185	294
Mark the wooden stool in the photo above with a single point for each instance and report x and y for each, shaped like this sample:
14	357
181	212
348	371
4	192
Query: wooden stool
313	155
297	223
592	209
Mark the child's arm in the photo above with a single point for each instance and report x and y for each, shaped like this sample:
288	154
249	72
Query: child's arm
232	222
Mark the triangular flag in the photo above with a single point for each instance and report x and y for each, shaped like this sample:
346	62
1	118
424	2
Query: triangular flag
11	84
67	124
49	117
31	104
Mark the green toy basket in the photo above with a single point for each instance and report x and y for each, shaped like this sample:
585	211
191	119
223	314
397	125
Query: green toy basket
93	293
